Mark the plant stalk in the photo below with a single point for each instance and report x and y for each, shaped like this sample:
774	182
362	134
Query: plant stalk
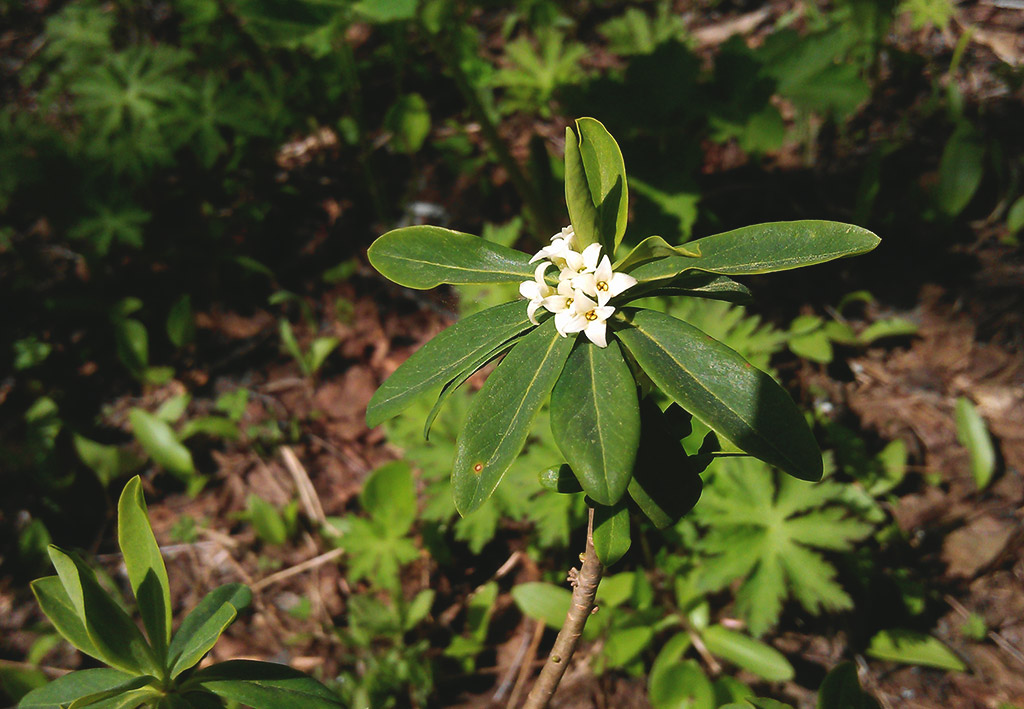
580	608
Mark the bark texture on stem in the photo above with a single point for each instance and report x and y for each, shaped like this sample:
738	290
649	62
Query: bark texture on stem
569	636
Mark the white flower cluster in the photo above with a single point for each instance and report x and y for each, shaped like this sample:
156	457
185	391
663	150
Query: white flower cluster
586	283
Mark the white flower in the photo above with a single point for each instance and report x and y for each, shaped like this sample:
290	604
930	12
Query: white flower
560	243
536	290
589	318
577	264
604	284
561	305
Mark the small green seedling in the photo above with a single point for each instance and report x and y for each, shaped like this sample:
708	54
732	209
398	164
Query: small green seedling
155	668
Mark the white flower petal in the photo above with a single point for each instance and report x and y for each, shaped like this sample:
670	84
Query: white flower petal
619	283
591	255
531	309
597	332
567	319
587	283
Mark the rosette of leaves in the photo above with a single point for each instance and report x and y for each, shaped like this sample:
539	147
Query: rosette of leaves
155	668
616	446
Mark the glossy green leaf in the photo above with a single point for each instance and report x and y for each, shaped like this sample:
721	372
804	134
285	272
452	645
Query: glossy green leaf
973	435
611	532
502	413
595	419
727	393
680	685
695	284
146	571
265	685
203	638
651	249
113	634
748	653
58	607
196	631
841	690
445	357
159	441
560	479
127	694
451	387
543	601
389	495
913	648
426	256
583	215
666	482
605	173
64	690
765	248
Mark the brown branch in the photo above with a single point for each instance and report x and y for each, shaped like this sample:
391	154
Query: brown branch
572	629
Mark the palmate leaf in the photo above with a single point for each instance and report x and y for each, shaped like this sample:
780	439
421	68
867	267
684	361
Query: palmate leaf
762	526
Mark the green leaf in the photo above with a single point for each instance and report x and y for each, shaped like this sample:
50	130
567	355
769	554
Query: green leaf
760	526
583	215
605	174
765	248
743	651
445	357
890	327
623	645
216	426
265	685
58	607
680	685
973	435
174	408
408	120
64	690
108	462
543	601
389	495
1015	216
117	641
451	387
181	327
426	256
502	413
666	482
266	520
319	349
595	419
124	696
841	690
159	441
913	648
560	479
380	11
723	390
198	632
651	249
291	345
960	170
146	571
611	532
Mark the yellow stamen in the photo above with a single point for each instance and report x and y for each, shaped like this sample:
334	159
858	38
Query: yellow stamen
568	302
591	316
602	285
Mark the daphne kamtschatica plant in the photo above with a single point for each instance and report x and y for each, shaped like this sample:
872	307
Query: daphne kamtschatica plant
617	445
158	669
595	382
